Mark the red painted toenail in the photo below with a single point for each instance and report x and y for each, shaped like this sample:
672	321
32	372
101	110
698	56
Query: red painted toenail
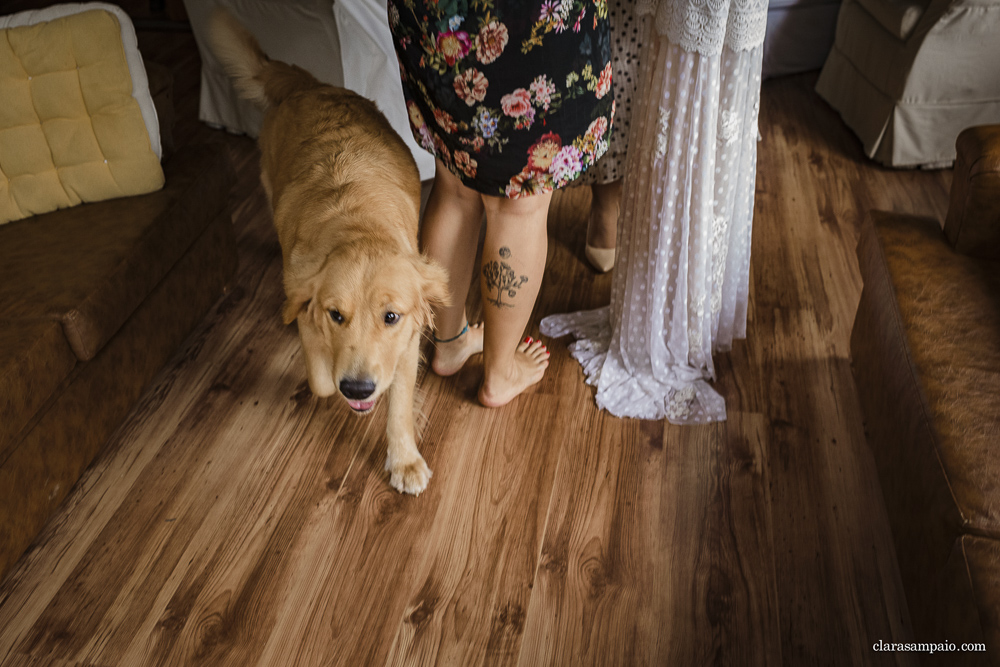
528	339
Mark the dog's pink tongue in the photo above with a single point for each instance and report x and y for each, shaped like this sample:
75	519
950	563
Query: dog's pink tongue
361	406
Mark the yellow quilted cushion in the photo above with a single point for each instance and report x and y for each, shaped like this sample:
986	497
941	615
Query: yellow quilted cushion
70	130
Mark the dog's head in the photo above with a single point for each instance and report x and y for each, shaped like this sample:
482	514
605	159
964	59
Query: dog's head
358	316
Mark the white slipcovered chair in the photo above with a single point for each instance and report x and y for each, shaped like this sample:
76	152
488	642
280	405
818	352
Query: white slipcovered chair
346	43
798	36
908	76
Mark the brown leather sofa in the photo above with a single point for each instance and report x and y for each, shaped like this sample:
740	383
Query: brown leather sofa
926	356
94	300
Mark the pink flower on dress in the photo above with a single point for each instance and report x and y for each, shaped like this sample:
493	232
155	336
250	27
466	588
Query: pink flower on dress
542	151
470	86
466	163
445	121
490	42
566	165
604	82
598	128
426	140
516	104
542	89
453	46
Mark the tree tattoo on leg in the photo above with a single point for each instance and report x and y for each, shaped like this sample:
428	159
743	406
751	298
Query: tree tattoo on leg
501	277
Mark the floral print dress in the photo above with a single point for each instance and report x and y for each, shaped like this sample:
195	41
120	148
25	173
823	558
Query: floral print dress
513	96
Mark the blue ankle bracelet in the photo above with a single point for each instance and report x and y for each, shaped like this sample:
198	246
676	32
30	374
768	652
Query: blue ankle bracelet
460	334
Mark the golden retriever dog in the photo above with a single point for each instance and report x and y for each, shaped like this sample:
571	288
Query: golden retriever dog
345	197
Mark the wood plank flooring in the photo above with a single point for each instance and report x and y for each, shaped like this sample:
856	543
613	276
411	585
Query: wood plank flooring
235	519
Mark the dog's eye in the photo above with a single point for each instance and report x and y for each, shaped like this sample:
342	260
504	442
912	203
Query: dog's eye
391	318
336	316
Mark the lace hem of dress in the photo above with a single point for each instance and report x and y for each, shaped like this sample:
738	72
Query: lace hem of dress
705	26
684	397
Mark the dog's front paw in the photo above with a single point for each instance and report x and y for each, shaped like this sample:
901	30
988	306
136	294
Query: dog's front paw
408	477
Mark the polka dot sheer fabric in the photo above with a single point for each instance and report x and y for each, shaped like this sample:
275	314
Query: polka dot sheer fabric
680	290
625	25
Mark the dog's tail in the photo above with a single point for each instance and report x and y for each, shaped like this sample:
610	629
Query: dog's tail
263	81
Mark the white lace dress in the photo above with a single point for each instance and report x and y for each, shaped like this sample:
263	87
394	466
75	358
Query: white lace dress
681	282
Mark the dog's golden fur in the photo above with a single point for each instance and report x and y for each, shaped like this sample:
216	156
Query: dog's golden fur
345	194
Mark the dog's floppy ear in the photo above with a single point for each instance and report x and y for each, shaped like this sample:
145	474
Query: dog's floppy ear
294	305
297	299
433	288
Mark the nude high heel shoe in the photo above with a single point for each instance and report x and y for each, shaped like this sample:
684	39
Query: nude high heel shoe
602	259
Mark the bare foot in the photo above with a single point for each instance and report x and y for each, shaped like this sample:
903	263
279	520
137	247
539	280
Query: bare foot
450	357
530	361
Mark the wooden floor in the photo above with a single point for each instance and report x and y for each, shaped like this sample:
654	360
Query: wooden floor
237	520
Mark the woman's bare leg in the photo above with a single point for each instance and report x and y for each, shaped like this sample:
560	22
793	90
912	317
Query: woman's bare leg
513	264
450	235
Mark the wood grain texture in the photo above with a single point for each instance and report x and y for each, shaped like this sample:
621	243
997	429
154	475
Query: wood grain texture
235	519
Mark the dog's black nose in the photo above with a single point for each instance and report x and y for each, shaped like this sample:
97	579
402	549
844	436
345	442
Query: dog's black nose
357	389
